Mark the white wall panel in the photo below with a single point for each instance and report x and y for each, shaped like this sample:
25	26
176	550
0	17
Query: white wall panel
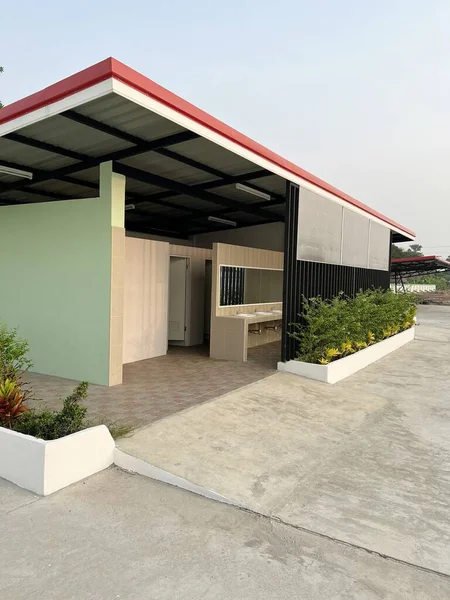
333	234
319	228
380	240
145	299
355	239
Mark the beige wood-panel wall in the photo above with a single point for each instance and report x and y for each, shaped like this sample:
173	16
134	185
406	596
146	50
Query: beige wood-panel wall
112	186
145	299
117	303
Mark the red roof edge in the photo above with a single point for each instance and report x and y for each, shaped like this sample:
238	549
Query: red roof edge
420	259
57	91
113	68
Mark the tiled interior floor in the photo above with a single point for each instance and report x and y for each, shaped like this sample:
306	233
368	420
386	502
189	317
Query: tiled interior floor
158	387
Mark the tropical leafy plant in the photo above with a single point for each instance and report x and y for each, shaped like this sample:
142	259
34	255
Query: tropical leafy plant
332	329
41	423
12	402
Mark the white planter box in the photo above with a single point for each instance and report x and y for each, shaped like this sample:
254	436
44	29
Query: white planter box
45	467
342	368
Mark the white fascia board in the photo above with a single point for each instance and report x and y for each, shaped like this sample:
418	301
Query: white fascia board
92	93
157	107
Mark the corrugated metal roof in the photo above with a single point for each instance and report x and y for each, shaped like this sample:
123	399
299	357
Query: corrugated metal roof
5	178
230	191
193	203
65	189
21	196
32	158
129	117
166	167
90	175
122	114
68	134
111	69
243	217
144	189
273	184
215	156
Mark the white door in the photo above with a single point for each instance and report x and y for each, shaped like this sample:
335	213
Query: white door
177	298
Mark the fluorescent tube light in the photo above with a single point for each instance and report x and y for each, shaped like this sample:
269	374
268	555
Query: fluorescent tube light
130	206
224	221
16	172
249	190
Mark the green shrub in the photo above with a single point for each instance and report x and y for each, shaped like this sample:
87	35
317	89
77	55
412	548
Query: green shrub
116	428
51	425
332	329
41	423
13	354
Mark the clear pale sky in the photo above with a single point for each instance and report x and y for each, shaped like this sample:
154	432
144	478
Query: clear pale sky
356	92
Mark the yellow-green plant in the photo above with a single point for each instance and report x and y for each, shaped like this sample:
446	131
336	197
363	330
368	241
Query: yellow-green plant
349	324
347	348
330	354
359	345
370	338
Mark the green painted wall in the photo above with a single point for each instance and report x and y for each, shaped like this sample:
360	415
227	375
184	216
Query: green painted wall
55	282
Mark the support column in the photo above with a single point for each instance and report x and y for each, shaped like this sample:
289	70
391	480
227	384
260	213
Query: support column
112	189
291	291
391	241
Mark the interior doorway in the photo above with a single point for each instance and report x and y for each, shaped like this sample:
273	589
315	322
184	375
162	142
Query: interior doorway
177	299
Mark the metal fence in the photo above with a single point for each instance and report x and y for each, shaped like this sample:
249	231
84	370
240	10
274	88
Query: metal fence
415	287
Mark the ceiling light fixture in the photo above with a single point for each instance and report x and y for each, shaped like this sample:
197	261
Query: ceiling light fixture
249	190
224	221
130	206
16	172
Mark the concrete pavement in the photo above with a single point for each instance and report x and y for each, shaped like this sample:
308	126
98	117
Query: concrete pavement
121	536
364	461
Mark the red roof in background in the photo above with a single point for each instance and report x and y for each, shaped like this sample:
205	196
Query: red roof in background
112	68
409	259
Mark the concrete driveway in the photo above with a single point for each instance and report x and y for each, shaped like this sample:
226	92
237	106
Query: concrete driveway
119	536
365	461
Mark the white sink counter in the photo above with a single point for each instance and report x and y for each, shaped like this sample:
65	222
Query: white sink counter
255	318
234	336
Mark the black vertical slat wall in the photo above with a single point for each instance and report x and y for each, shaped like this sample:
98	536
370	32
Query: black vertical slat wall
291	284
311	279
321	279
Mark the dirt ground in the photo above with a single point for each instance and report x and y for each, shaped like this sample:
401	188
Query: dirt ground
441	297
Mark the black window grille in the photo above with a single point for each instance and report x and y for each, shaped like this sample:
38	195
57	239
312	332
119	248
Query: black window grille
231	286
